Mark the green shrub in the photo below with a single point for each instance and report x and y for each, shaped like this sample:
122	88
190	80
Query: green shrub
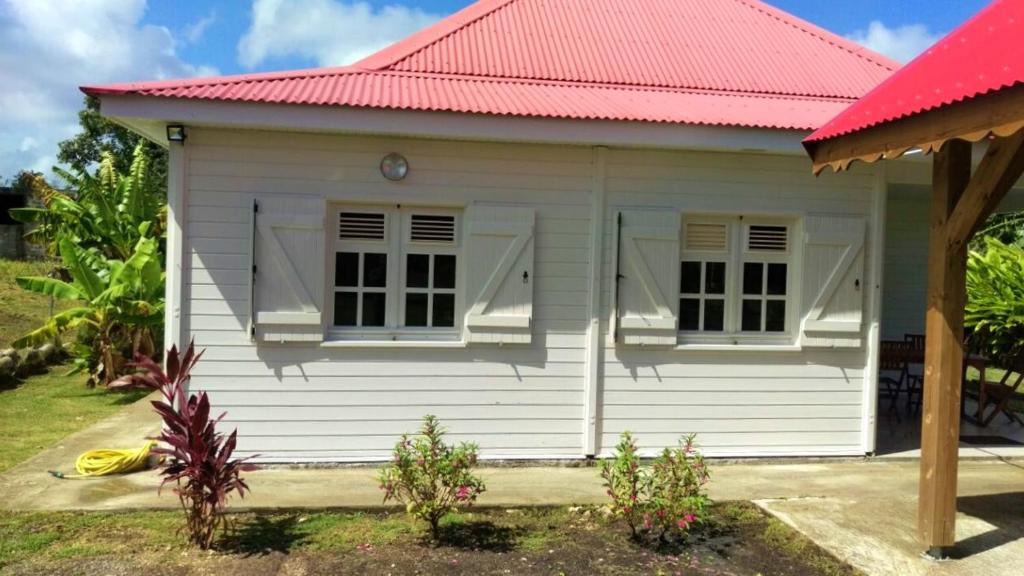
664	501
995	300
430	477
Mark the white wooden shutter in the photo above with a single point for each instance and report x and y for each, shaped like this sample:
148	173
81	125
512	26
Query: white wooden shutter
648	285
499	274
288	259
833	281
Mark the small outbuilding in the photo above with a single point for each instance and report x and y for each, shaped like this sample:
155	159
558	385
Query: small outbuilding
12	241
545	223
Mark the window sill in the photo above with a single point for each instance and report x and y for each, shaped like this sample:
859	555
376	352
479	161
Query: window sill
393	344
749	347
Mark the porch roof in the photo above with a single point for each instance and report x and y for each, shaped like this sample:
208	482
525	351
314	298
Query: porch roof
969	85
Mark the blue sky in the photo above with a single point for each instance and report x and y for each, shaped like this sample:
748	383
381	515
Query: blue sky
50	47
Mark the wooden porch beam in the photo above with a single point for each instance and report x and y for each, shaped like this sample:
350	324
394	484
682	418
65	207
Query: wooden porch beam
940	422
998	171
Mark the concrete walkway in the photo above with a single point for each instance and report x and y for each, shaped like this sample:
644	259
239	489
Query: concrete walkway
862	511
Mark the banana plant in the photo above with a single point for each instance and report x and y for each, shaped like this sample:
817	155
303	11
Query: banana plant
104	211
121	305
994	312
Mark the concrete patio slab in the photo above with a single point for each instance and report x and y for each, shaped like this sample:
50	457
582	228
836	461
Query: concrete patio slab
862	511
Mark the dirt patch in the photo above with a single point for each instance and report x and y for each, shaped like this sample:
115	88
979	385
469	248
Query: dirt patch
741	540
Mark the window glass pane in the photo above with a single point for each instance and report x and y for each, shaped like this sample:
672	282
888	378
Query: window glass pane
444	310
689	278
417	269
689	314
777	279
345	308
714	278
752	275
751	316
775	316
373	308
714	315
416	309
346	269
444	271
375	270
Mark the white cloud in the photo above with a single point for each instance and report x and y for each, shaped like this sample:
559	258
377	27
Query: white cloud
331	32
901	43
48	49
194	32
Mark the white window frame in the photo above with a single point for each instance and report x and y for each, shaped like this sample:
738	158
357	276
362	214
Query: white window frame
764	258
735	255
397	245
704	257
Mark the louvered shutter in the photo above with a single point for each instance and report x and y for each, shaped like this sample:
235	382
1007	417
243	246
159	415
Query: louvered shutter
499	274
288	279
833	281
648	285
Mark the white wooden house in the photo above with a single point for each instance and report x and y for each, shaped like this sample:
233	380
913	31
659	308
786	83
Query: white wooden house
600	219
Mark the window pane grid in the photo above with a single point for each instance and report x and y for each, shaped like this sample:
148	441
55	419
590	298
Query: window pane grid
702	309
360	288
396	277
763	307
430	303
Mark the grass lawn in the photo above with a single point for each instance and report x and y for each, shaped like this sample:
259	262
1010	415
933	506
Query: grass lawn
43	409
21	310
740	540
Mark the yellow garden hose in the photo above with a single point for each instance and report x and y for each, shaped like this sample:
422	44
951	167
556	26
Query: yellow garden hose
109	461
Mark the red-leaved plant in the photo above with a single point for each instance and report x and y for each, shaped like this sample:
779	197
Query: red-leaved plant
198	457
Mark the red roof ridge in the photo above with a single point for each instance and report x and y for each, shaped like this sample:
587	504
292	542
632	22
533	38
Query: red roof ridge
603	85
834	39
431	34
219	80
355	69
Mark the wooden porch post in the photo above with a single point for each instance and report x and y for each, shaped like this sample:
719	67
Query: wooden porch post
940	423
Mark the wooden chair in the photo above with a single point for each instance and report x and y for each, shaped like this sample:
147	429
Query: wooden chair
892	372
915	382
998	394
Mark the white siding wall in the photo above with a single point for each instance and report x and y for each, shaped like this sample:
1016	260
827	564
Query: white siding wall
739	402
906	252
306	402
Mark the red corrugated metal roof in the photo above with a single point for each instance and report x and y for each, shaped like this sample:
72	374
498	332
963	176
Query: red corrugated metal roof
983	55
718	62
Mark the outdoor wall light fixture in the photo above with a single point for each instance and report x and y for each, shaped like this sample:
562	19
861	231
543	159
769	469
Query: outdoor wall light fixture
176	133
394	167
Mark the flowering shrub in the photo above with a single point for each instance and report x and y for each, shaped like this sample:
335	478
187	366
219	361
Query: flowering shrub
665	500
626	483
430	477
198	457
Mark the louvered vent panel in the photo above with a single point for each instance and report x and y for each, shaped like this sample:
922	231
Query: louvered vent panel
361	226
432	228
706	237
768	238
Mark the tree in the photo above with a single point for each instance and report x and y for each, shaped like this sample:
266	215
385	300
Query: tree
103	211
100	135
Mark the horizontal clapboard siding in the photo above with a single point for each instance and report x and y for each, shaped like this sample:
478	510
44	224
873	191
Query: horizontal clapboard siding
739	403
323	403
312	403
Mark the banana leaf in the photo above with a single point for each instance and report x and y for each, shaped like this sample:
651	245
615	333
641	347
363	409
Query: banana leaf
50	286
